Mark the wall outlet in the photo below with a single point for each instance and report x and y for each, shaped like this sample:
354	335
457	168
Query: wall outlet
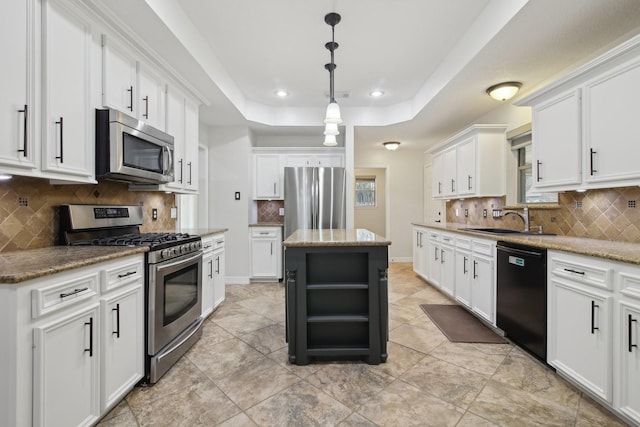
484	213
154	214
174	213
466	213
281	211
457	212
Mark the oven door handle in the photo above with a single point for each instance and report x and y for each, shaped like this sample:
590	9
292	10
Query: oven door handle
180	261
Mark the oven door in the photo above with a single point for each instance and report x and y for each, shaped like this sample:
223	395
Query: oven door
175	298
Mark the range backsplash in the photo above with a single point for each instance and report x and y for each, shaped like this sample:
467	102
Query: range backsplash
29	213
607	214
269	211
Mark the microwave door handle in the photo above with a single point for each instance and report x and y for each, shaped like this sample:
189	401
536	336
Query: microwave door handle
167	159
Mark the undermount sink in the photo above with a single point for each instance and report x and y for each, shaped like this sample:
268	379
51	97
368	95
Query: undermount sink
492	230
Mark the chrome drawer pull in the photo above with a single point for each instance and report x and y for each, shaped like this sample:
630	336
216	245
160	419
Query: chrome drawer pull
75	291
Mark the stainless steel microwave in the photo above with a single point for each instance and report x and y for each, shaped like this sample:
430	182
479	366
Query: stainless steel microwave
130	150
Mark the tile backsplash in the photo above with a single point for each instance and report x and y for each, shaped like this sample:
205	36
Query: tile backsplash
269	211
607	214
29	214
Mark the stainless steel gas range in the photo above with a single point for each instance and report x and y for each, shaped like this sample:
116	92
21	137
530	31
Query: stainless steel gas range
173	282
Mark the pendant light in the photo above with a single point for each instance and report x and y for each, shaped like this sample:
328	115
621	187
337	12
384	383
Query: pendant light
332	118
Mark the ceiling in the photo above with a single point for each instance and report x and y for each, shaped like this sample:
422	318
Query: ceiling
432	58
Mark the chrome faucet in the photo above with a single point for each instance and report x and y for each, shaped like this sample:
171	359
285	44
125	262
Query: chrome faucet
524	216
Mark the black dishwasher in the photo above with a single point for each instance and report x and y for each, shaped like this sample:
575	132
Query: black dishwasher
522	296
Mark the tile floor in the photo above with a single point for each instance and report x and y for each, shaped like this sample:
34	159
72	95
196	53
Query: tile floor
238	375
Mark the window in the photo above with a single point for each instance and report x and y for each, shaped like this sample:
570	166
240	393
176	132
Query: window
521	145
366	191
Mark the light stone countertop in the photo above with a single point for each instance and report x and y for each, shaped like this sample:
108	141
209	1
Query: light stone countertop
202	232
267	224
615	251
335	237
19	266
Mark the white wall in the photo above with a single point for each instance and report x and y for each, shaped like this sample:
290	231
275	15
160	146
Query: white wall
229	171
404	176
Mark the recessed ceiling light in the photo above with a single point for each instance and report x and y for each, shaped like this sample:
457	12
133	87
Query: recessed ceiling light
282	93
376	93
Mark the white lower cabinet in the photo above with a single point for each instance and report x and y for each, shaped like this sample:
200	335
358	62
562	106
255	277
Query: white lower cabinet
483	279
447	265
266	253
213	286
420	249
66	370
76	343
122	343
463	276
627	344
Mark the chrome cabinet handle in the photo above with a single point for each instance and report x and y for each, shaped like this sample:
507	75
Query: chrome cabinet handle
210	268
26	127
181	174
117	310
439	187
436	254
591	169
218	265
464	265
538	177
90	349
274	188
271	248
453	182
130	106
146	107
441	256
61	156
594	328
475	264
189	165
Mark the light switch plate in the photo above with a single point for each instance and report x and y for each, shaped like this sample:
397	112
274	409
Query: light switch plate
281	211
174	213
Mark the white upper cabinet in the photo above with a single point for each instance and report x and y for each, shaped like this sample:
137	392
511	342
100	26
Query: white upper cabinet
584	132
471	163
611	114
315	160
67	124
151	96
191	138
118	77
556	141
268	176
16	103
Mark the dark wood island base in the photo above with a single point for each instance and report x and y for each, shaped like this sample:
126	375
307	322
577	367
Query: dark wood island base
336	296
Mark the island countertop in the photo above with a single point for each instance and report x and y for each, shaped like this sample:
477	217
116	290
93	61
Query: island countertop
335	237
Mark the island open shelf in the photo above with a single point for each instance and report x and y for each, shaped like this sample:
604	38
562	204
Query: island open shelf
336	301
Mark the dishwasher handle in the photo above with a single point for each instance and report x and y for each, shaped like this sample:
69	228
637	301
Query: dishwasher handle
519	251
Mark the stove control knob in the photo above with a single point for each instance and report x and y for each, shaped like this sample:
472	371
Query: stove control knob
165	253
184	249
174	251
198	244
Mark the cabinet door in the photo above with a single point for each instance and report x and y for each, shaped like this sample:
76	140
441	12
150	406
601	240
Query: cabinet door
267	179
611	115
175	126
264	258
207	283
151	97
466	170
299	160
67	122
580	335
122	343
329	160
482	287
450	185
434	262
218	278
557	145
118	78
629	378
463	277
66	370
16	107
447	266
191	133
437	170
418	236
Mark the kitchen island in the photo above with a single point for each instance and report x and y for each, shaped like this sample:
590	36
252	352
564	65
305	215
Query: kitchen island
336	295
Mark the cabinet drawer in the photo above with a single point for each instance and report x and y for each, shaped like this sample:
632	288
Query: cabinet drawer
61	295
218	241
207	244
264	232
447	239
485	247
582	269
629	282
115	277
463	243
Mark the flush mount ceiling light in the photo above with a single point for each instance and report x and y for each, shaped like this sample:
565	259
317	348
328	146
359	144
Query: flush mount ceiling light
282	93
376	93
332	118
504	91
391	145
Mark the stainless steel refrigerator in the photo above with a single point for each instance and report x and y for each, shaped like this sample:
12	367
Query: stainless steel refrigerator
314	198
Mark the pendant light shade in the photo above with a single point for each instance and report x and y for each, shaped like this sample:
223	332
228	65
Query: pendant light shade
330	141
331	129
333	114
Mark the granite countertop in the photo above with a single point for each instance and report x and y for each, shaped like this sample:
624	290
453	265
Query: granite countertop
336	237
19	266
615	251
267	224
202	231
